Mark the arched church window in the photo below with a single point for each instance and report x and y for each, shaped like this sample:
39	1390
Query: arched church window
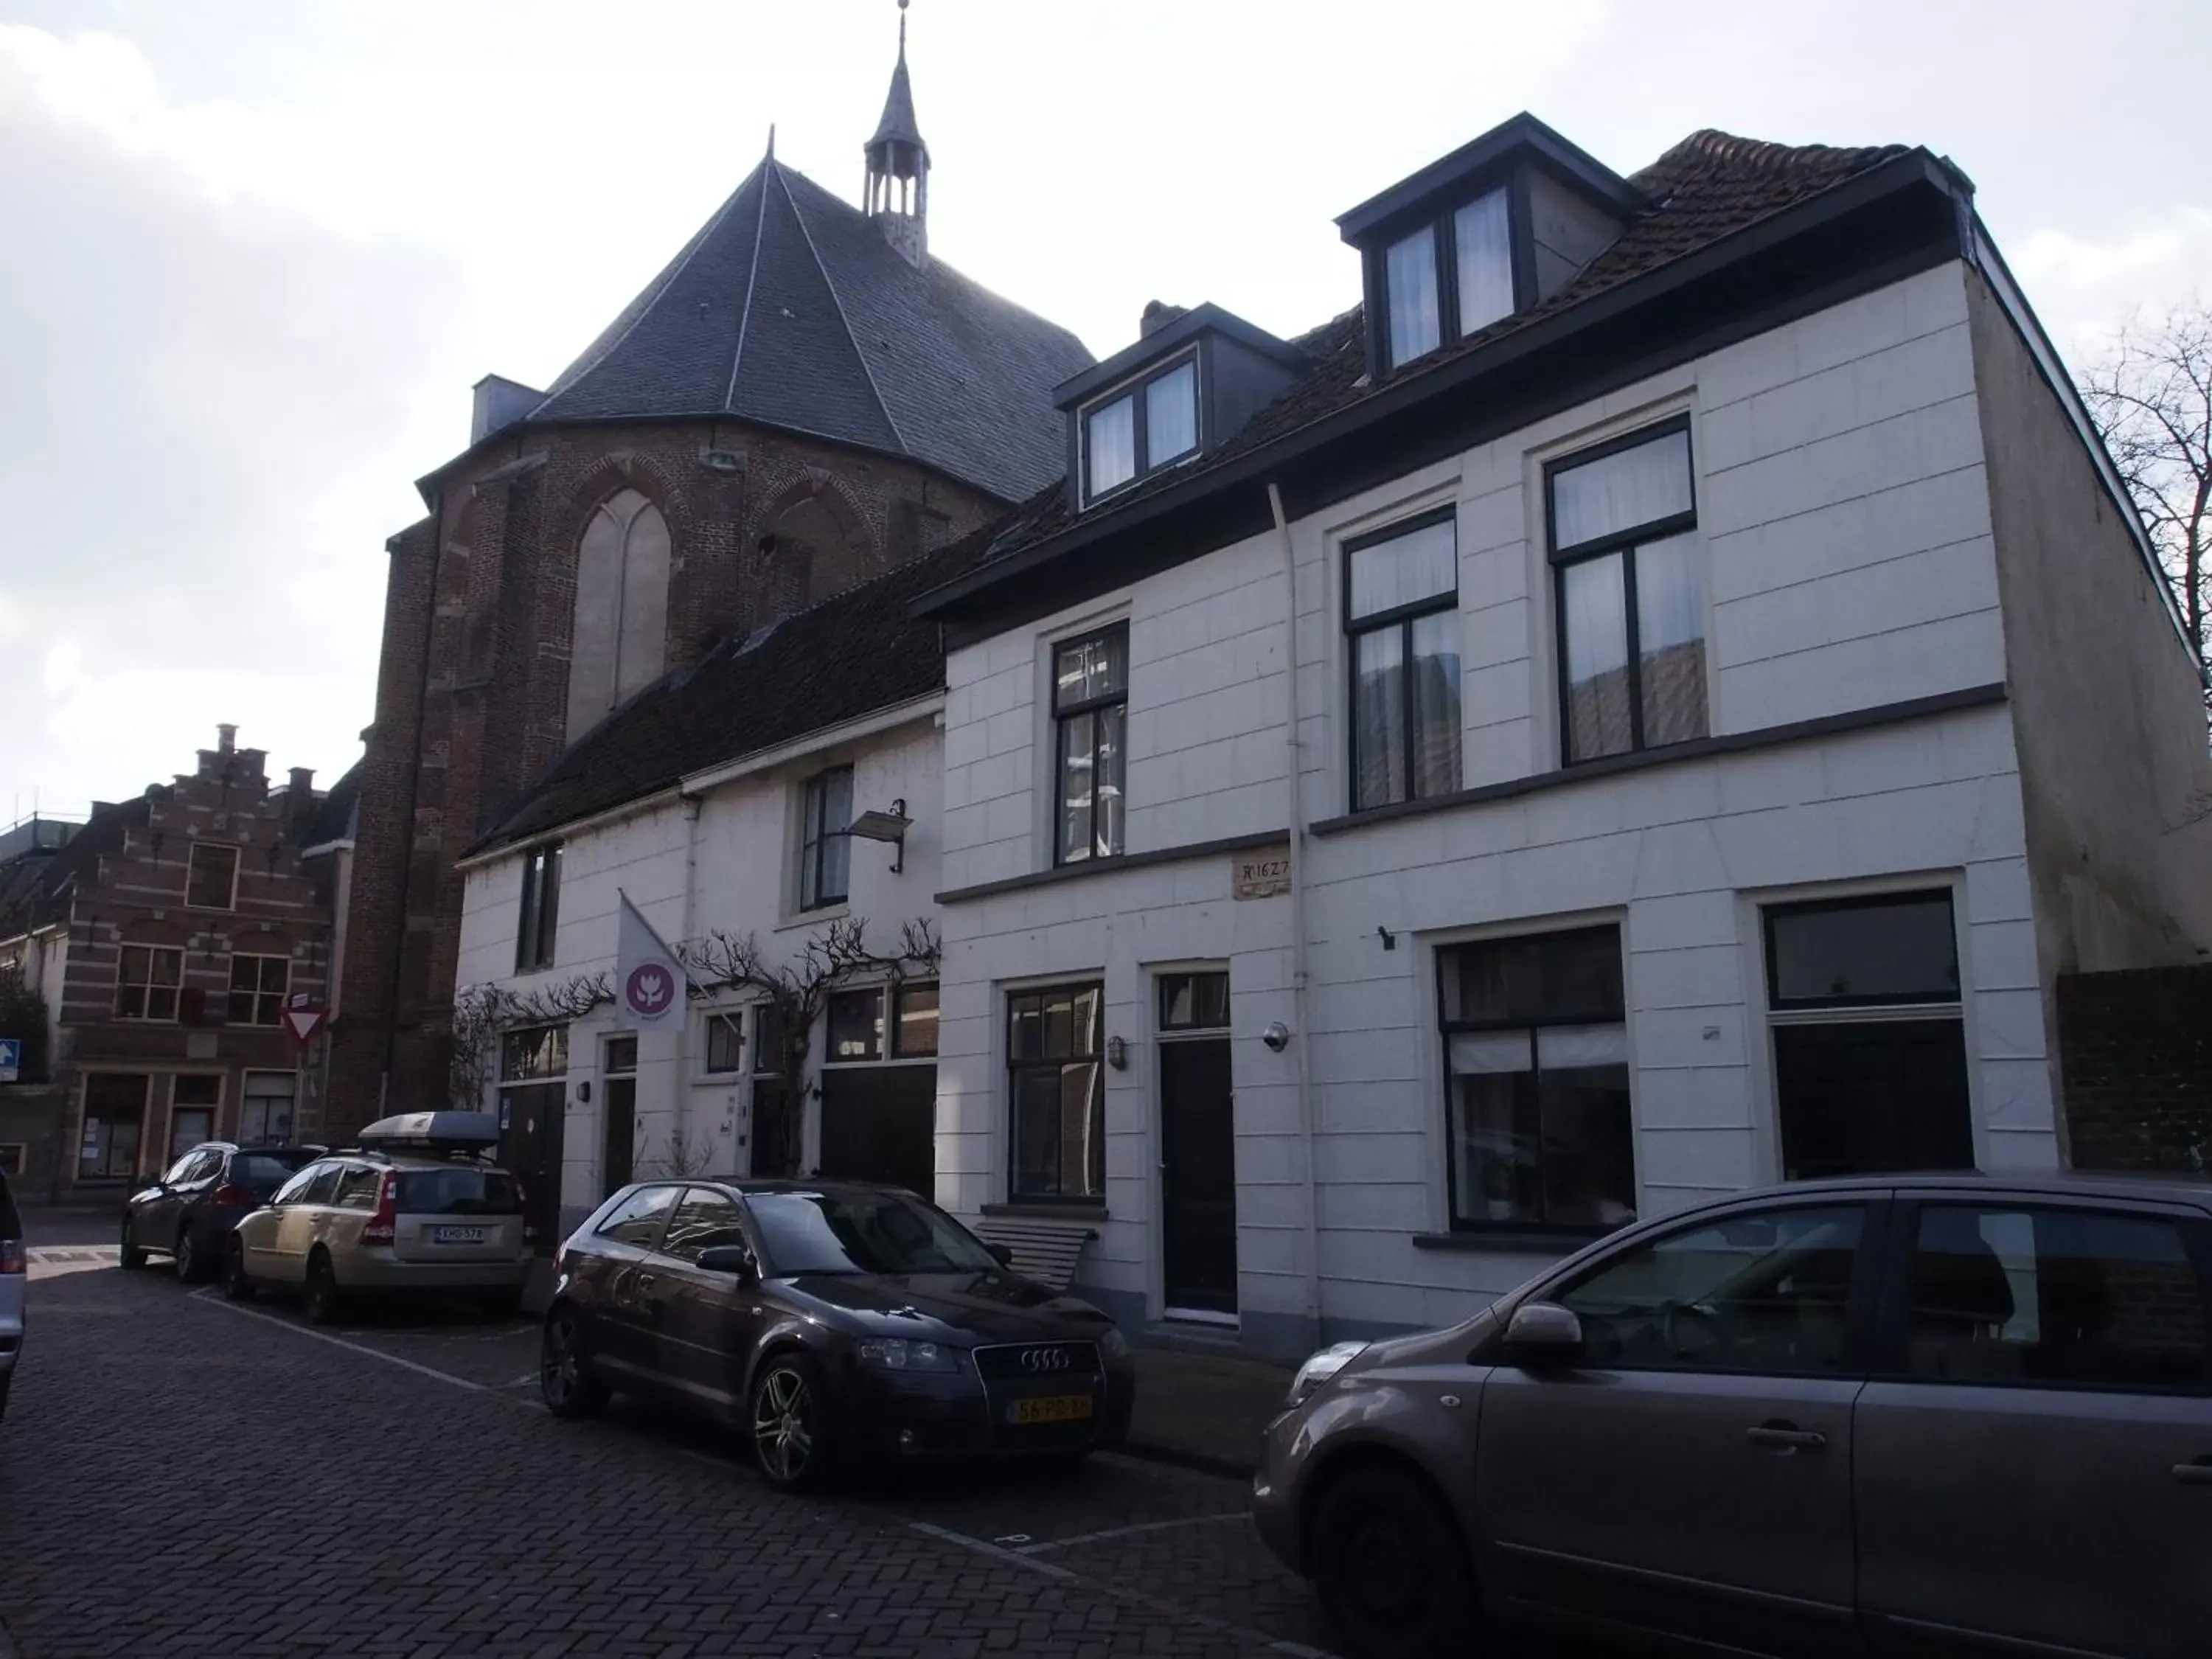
619	644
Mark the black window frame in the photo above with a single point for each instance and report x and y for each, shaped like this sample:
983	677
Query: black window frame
192	874
1170	1023
1063	717
1624	543
1402	618
815	837
538	925
644	1189
849	997
1448	1026
1140	423
732	1019
1017	1065
1777	1004
1444	249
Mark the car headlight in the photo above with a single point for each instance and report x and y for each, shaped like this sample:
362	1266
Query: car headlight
896	1353
1320	1368
1112	1344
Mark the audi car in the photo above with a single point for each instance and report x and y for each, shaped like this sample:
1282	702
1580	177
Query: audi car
840	1326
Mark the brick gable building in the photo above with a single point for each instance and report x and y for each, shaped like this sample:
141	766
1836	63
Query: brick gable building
802	399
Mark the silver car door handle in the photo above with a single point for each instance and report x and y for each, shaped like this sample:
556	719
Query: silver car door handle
1783	1436
2198	1473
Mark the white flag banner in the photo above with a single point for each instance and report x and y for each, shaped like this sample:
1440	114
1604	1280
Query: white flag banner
649	981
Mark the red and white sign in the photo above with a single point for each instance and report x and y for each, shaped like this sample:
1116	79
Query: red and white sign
303	1018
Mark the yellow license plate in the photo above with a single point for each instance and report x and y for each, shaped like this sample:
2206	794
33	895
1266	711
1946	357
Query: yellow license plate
1052	1408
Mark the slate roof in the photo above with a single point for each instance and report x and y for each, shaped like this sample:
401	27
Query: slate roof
788	307
37	894
1707	188
859	651
333	819
898	125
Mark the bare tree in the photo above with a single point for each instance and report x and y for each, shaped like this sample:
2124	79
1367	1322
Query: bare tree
683	1154
482	1012
2151	397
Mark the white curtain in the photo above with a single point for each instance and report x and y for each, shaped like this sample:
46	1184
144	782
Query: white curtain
1486	261
1113	459
1414	326
1418	565
1621	490
1172	416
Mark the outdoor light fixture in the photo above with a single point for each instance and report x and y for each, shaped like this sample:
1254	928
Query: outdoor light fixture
1117	1053
890	826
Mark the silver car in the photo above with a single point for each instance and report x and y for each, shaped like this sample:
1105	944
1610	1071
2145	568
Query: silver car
1953	1413
12	1274
413	1210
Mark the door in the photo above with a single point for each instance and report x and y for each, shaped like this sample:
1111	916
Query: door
2035	1450
530	1127
701	1325
1692	1474
622	1269
879	1123
114	1115
298	1221
1198	1175
618	1120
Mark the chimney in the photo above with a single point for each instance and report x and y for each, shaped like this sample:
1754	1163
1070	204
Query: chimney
1158	313
299	798
226	739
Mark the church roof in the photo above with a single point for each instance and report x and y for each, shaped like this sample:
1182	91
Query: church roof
898	123
790	308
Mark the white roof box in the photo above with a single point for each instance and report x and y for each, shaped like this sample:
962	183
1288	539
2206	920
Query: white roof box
439	1129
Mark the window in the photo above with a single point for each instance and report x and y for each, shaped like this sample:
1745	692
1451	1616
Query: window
114	1118
1401	612
257	985
265	1117
357	1188
706	1218
541	909
147	980
1536	1075
618	640
321	1185
638	1219
725	1043
914	1029
2056	1297
295	1190
825	848
1053	1041
1450	278
1193	1002
1631	596
1870	1046
1765	1293
193	1098
537	1051
1089	708
212	876
1141	428
856	1024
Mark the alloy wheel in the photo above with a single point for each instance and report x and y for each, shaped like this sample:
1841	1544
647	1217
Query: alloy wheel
559	1365
783	1426
188	1256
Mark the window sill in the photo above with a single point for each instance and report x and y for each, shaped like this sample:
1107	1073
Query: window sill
1507	1241
706	1079
1033	1210
837	912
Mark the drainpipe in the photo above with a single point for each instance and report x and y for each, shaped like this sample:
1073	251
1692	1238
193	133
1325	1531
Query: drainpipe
691	804
1294	753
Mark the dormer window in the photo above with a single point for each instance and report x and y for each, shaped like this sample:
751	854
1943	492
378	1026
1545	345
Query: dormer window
1450	277
1142	428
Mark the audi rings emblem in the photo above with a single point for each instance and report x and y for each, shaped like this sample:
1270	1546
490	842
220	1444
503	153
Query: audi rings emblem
1047	1359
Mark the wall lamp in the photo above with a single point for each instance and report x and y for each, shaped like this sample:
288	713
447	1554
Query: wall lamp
890	826
1117	1053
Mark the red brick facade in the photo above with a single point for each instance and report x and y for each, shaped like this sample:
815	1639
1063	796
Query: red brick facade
472	689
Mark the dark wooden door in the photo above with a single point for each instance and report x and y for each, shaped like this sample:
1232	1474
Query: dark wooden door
530	1147
879	1123
1198	1175
619	1146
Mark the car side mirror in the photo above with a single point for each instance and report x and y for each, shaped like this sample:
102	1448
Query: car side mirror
729	1259
1001	1254
1543	1336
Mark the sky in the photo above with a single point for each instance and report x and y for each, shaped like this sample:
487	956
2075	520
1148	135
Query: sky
253	253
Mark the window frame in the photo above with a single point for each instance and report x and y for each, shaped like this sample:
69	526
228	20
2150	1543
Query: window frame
734	1019
1443	251
192	864
1134	390
1015	1067
1402	618
814	839
893	1028
259	994
149	987
1062	718
850	994
1624	543
539	926
1915	1005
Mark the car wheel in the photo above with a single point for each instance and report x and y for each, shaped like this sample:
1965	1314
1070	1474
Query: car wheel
190	1269
790	1424
564	1373
237	1283
129	1258
322	1290
1390	1568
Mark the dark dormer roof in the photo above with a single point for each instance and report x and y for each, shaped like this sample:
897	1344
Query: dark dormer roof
789	308
1166	338
1522	135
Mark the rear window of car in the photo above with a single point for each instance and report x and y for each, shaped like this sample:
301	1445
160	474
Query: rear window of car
11	1224
266	1171
458	1192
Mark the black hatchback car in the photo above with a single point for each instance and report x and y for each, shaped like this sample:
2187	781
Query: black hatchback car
840	1326
189	1210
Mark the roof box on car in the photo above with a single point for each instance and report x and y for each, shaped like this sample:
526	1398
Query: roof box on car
438	1131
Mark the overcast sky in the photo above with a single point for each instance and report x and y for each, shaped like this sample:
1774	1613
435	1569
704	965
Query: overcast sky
254	252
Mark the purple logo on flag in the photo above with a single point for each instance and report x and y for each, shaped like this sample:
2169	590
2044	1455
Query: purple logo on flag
648	989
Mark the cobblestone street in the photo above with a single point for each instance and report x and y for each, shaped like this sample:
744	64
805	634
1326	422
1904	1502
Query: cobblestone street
182	1476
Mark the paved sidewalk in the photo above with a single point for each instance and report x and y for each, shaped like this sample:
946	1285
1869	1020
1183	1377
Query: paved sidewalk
1204	1410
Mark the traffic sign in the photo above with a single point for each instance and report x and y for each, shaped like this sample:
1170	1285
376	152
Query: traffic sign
303	1018
11	1058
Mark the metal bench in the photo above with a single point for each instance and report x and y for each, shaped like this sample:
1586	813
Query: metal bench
1043	1249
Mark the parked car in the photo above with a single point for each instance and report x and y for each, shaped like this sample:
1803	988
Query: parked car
1922	1412
13	1268
838	1324
188	1213
414	1210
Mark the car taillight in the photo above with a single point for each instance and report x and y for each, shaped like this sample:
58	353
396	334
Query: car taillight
383	1227
11	1255
230	1194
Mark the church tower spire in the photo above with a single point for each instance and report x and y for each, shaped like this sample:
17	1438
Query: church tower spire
898	167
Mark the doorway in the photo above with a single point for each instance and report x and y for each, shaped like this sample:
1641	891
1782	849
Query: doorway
533	1095
1198	1148
619	1121
114	1119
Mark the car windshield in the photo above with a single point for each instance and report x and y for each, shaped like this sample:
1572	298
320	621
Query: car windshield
457	1192
266	1172
862	1232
